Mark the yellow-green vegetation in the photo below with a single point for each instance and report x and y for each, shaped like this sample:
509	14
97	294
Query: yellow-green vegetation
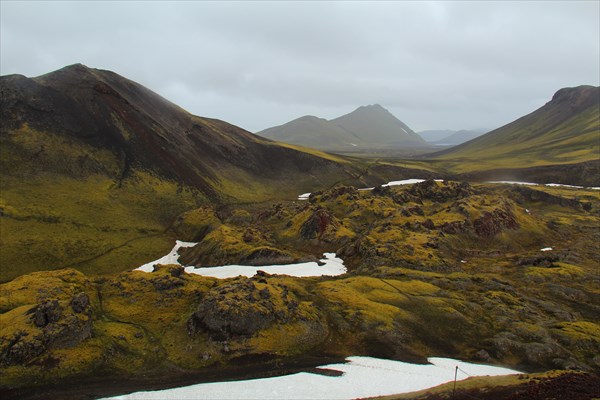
479	386
55	222
551	135
436	269
53	215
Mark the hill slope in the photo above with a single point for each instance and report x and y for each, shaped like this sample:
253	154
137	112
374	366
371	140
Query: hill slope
458	137
378	126
367	127
565	130
95	168
313	132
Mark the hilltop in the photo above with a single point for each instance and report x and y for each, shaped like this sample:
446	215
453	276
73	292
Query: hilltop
367	127
566	130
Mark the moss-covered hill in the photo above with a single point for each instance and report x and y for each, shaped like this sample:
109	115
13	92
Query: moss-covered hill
437	268
94	168
566	130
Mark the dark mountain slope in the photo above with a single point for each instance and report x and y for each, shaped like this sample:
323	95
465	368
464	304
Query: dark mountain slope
94	169
105	110
378	126
565	130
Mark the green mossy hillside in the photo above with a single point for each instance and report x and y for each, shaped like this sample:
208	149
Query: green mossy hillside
436	269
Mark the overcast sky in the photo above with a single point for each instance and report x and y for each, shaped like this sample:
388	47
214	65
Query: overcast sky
435	65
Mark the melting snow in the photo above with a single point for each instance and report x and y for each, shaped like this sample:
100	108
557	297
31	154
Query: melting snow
362	377
392	183
513	182
333	266
408	182
170	258
546	184
546	249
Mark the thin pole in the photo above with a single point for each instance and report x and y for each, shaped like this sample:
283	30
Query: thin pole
455	373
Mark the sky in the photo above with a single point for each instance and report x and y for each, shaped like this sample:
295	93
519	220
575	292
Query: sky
434	65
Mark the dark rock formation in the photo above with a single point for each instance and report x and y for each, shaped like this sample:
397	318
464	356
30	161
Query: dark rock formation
319	225
492	223
240	308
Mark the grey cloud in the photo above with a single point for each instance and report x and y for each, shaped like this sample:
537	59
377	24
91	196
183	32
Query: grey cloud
257	64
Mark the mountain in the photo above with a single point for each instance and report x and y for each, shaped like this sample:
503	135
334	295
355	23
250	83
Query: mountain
458	137
143	130
435	135
448	137
367	127
565	130
313	132
377	126
95	169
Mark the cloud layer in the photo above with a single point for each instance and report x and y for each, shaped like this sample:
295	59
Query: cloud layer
434	65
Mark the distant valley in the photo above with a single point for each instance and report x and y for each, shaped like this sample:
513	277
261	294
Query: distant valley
449	137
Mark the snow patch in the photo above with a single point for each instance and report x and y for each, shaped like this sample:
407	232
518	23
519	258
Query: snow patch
333	266
170	258
546	184
362	377
305	196
546	249
514	183
408	182
355	145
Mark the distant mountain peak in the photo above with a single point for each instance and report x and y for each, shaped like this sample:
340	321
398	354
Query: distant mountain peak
372	107
374	124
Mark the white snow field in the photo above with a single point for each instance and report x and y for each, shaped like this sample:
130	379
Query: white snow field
332	266
170	258
546	184
546	249
362	377
305	196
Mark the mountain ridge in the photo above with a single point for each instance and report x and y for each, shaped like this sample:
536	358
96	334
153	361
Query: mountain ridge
370	126
565	130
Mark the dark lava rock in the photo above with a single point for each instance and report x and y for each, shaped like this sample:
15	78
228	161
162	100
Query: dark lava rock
428	223
47	312
165	283
492	223
80	302
350	192
267	256
545	260
19	349
442	192
482	355
58	329
455	227
239	309
318	225
532	195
